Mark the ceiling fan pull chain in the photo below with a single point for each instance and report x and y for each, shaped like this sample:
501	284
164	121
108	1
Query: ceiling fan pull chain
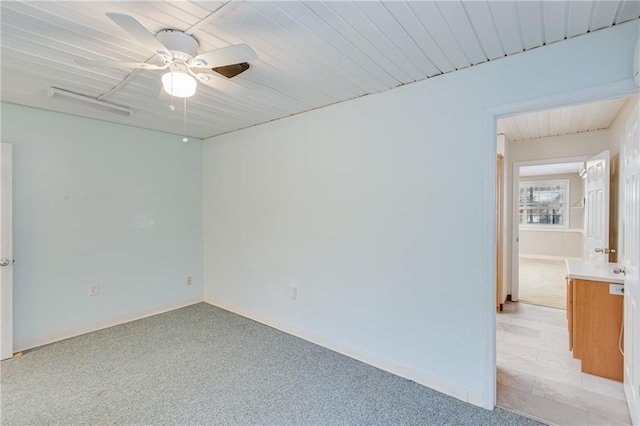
171	106
184	139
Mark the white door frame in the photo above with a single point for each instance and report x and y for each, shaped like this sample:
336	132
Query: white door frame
515	226
490	116
6	251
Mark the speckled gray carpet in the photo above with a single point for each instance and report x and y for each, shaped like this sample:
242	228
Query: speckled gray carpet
204	365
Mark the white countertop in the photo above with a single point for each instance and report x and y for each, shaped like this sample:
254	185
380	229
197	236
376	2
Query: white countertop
593	271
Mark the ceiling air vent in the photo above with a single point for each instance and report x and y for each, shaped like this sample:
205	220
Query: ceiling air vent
230	71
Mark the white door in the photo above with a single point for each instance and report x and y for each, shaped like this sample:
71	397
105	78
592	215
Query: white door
630	158
597	209
6	254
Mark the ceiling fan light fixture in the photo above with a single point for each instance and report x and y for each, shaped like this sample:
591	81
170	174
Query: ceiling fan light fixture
179	84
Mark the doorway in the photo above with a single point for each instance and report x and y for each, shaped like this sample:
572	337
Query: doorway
549	216
536	372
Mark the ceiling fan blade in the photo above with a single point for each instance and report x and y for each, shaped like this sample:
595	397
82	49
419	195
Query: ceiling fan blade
117	64
140	33
221	83
224	56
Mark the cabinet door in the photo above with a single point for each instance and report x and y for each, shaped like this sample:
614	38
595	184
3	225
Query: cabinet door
597	321
578	309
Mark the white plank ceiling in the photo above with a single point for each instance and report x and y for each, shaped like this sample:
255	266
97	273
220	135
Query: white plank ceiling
561	121
310	53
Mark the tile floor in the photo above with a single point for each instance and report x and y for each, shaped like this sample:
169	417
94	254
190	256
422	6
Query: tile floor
538	377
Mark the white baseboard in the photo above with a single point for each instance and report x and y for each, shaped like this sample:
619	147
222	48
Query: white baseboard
77	331
425	379
546	257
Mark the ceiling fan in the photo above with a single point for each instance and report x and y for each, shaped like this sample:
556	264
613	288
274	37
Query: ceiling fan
179	54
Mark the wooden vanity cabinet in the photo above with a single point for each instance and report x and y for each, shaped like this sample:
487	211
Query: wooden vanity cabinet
595	318
570	311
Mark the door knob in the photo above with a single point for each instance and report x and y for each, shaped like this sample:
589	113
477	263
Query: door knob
4	262
604	250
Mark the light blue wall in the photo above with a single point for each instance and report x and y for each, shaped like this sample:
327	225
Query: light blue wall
374	209
98	202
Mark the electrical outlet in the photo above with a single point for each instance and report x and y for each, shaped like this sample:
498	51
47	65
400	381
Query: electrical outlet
616	289
293	292
94	289
189	280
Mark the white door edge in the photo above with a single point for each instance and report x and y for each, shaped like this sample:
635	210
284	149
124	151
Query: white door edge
597	208
6	251
630	259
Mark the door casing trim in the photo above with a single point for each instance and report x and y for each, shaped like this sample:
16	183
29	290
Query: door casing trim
618	89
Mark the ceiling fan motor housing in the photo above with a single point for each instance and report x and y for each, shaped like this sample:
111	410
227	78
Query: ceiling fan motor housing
181	45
